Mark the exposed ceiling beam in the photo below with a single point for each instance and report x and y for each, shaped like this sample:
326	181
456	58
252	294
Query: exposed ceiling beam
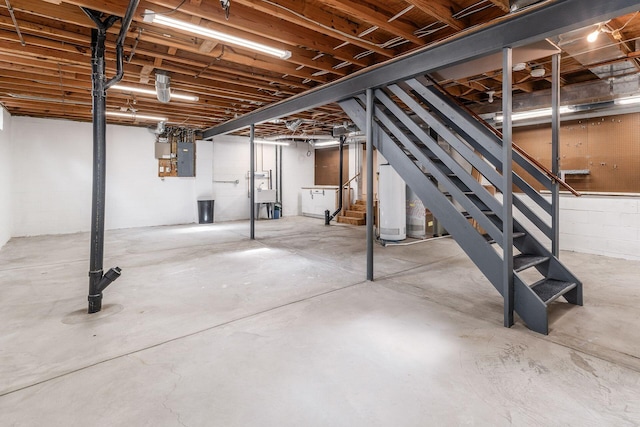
502	4
376	18
524	28
440	10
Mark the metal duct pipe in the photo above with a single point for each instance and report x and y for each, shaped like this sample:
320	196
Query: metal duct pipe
163	89
519	4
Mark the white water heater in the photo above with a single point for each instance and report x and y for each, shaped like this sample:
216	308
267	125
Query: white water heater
392	196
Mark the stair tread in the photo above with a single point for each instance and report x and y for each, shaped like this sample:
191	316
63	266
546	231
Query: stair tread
524	261
486	212
350	220
516	235
355	213
550	289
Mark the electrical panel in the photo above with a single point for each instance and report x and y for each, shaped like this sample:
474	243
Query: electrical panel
175	149
186	159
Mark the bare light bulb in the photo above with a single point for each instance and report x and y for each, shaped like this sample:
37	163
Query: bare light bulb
592	37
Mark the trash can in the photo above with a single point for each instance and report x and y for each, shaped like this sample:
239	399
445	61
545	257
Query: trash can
205	211
276	212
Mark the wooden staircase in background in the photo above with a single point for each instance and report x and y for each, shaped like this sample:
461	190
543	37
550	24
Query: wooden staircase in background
355	214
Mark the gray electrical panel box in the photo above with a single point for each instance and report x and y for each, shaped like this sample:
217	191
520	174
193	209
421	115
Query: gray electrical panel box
186	159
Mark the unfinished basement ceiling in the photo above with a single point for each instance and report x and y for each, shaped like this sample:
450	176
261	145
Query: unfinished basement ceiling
49	74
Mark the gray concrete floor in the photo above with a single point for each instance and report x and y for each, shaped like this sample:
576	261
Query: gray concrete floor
208	328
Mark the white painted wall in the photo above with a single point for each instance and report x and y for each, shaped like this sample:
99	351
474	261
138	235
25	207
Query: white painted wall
601	225
230	162
5	178
52	179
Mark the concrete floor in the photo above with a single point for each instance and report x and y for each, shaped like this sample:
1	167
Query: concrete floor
208	328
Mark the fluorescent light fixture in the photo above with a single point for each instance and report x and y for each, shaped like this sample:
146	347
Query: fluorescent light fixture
136	116
152	92
326	143
264	141
151	16
533	114
628	100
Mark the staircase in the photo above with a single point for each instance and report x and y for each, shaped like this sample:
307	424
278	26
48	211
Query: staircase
355	215
435	146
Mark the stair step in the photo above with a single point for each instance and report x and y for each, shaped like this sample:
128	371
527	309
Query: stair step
450	175
550	289
361	202
516	235
486	212
351	220
524	261
355	213
358	208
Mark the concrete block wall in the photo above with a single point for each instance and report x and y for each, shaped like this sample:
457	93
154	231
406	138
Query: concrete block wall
596	224
603	225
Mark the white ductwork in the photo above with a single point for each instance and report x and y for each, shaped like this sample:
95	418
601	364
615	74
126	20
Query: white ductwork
163	89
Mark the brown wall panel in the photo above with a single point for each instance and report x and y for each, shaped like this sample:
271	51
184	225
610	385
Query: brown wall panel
327	166
609	147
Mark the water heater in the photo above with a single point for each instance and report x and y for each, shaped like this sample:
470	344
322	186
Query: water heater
392	196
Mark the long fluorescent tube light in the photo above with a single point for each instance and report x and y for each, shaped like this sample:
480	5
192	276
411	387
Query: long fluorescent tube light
326	143
151	16
135	116
264	141
533	114
627	101
174	95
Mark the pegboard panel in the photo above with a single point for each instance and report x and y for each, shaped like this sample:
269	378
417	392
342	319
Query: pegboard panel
608	147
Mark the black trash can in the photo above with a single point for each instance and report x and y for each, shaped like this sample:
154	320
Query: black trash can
205	211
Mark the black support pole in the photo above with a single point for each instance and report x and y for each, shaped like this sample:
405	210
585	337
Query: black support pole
99	165
98	281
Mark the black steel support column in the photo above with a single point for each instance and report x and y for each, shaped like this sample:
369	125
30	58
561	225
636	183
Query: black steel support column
369	145
555	154
252	183
507	183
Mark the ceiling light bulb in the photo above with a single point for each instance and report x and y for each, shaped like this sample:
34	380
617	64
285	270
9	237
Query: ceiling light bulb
151	16
592	37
